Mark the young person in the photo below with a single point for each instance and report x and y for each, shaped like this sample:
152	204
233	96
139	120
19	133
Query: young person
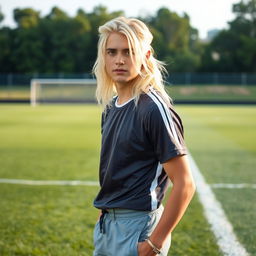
142	147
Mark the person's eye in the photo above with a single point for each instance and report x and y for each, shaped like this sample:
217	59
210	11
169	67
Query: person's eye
127	52
111	52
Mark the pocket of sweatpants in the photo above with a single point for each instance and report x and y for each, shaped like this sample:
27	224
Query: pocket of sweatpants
152	220
131	230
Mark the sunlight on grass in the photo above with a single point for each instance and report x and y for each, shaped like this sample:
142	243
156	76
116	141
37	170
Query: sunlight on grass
55	142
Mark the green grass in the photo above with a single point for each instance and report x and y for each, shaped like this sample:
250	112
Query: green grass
49	142
49	220
240	206
222	140
63	143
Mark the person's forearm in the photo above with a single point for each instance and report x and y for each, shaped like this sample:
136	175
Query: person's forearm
177	203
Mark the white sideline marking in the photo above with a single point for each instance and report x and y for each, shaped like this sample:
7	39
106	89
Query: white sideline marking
221	227
50	182
95	183
231	186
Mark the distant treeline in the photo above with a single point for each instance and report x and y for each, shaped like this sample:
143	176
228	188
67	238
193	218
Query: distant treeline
59	43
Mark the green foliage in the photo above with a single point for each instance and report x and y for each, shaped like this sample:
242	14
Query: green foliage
57	14
26	18
6	46
51	44
1	15
234	49
59	43
28	48
176	42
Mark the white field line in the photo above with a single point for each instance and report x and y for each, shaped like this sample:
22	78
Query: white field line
50	182
221	227
95	183
233	186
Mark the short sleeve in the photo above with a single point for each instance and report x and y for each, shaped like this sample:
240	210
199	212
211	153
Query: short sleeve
165	131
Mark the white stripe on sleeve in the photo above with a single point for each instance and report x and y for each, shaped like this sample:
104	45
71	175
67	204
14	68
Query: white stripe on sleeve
166	115
153	187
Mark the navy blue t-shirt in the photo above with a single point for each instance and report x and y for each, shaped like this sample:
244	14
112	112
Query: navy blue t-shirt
136	141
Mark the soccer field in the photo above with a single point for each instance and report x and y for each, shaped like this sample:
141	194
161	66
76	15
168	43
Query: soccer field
62	143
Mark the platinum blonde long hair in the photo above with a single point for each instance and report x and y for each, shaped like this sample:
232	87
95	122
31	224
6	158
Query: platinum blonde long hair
150	69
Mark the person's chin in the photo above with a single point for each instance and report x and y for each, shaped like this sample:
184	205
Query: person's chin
121	80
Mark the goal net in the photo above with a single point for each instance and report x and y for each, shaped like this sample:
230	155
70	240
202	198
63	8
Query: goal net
62	91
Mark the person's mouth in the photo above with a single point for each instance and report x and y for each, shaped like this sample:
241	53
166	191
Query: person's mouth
118	70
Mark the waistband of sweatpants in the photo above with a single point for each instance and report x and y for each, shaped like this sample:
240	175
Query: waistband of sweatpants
126	213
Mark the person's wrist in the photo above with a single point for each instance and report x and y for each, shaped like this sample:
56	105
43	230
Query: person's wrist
154	248
157	240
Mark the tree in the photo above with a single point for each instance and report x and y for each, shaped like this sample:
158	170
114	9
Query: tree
56	32
59	43
26	18
175	40
57	14
6	41
56	43
26	46
245	21
234	47
246	12
1	15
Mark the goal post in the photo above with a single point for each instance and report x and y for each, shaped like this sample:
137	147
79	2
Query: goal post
62	91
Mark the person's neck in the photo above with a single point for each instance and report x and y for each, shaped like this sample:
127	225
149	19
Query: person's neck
124	92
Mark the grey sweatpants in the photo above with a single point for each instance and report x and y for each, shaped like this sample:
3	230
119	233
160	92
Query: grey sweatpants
119	232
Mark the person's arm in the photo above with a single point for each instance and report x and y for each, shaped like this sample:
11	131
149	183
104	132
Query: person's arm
181	194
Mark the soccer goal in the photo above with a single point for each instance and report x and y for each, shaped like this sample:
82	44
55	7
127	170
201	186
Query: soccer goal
62	91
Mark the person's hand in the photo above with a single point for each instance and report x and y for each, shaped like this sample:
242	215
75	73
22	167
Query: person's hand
144	249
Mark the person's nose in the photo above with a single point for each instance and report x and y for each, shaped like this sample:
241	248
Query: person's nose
119	60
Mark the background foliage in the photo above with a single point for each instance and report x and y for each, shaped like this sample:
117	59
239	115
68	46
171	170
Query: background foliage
60	43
